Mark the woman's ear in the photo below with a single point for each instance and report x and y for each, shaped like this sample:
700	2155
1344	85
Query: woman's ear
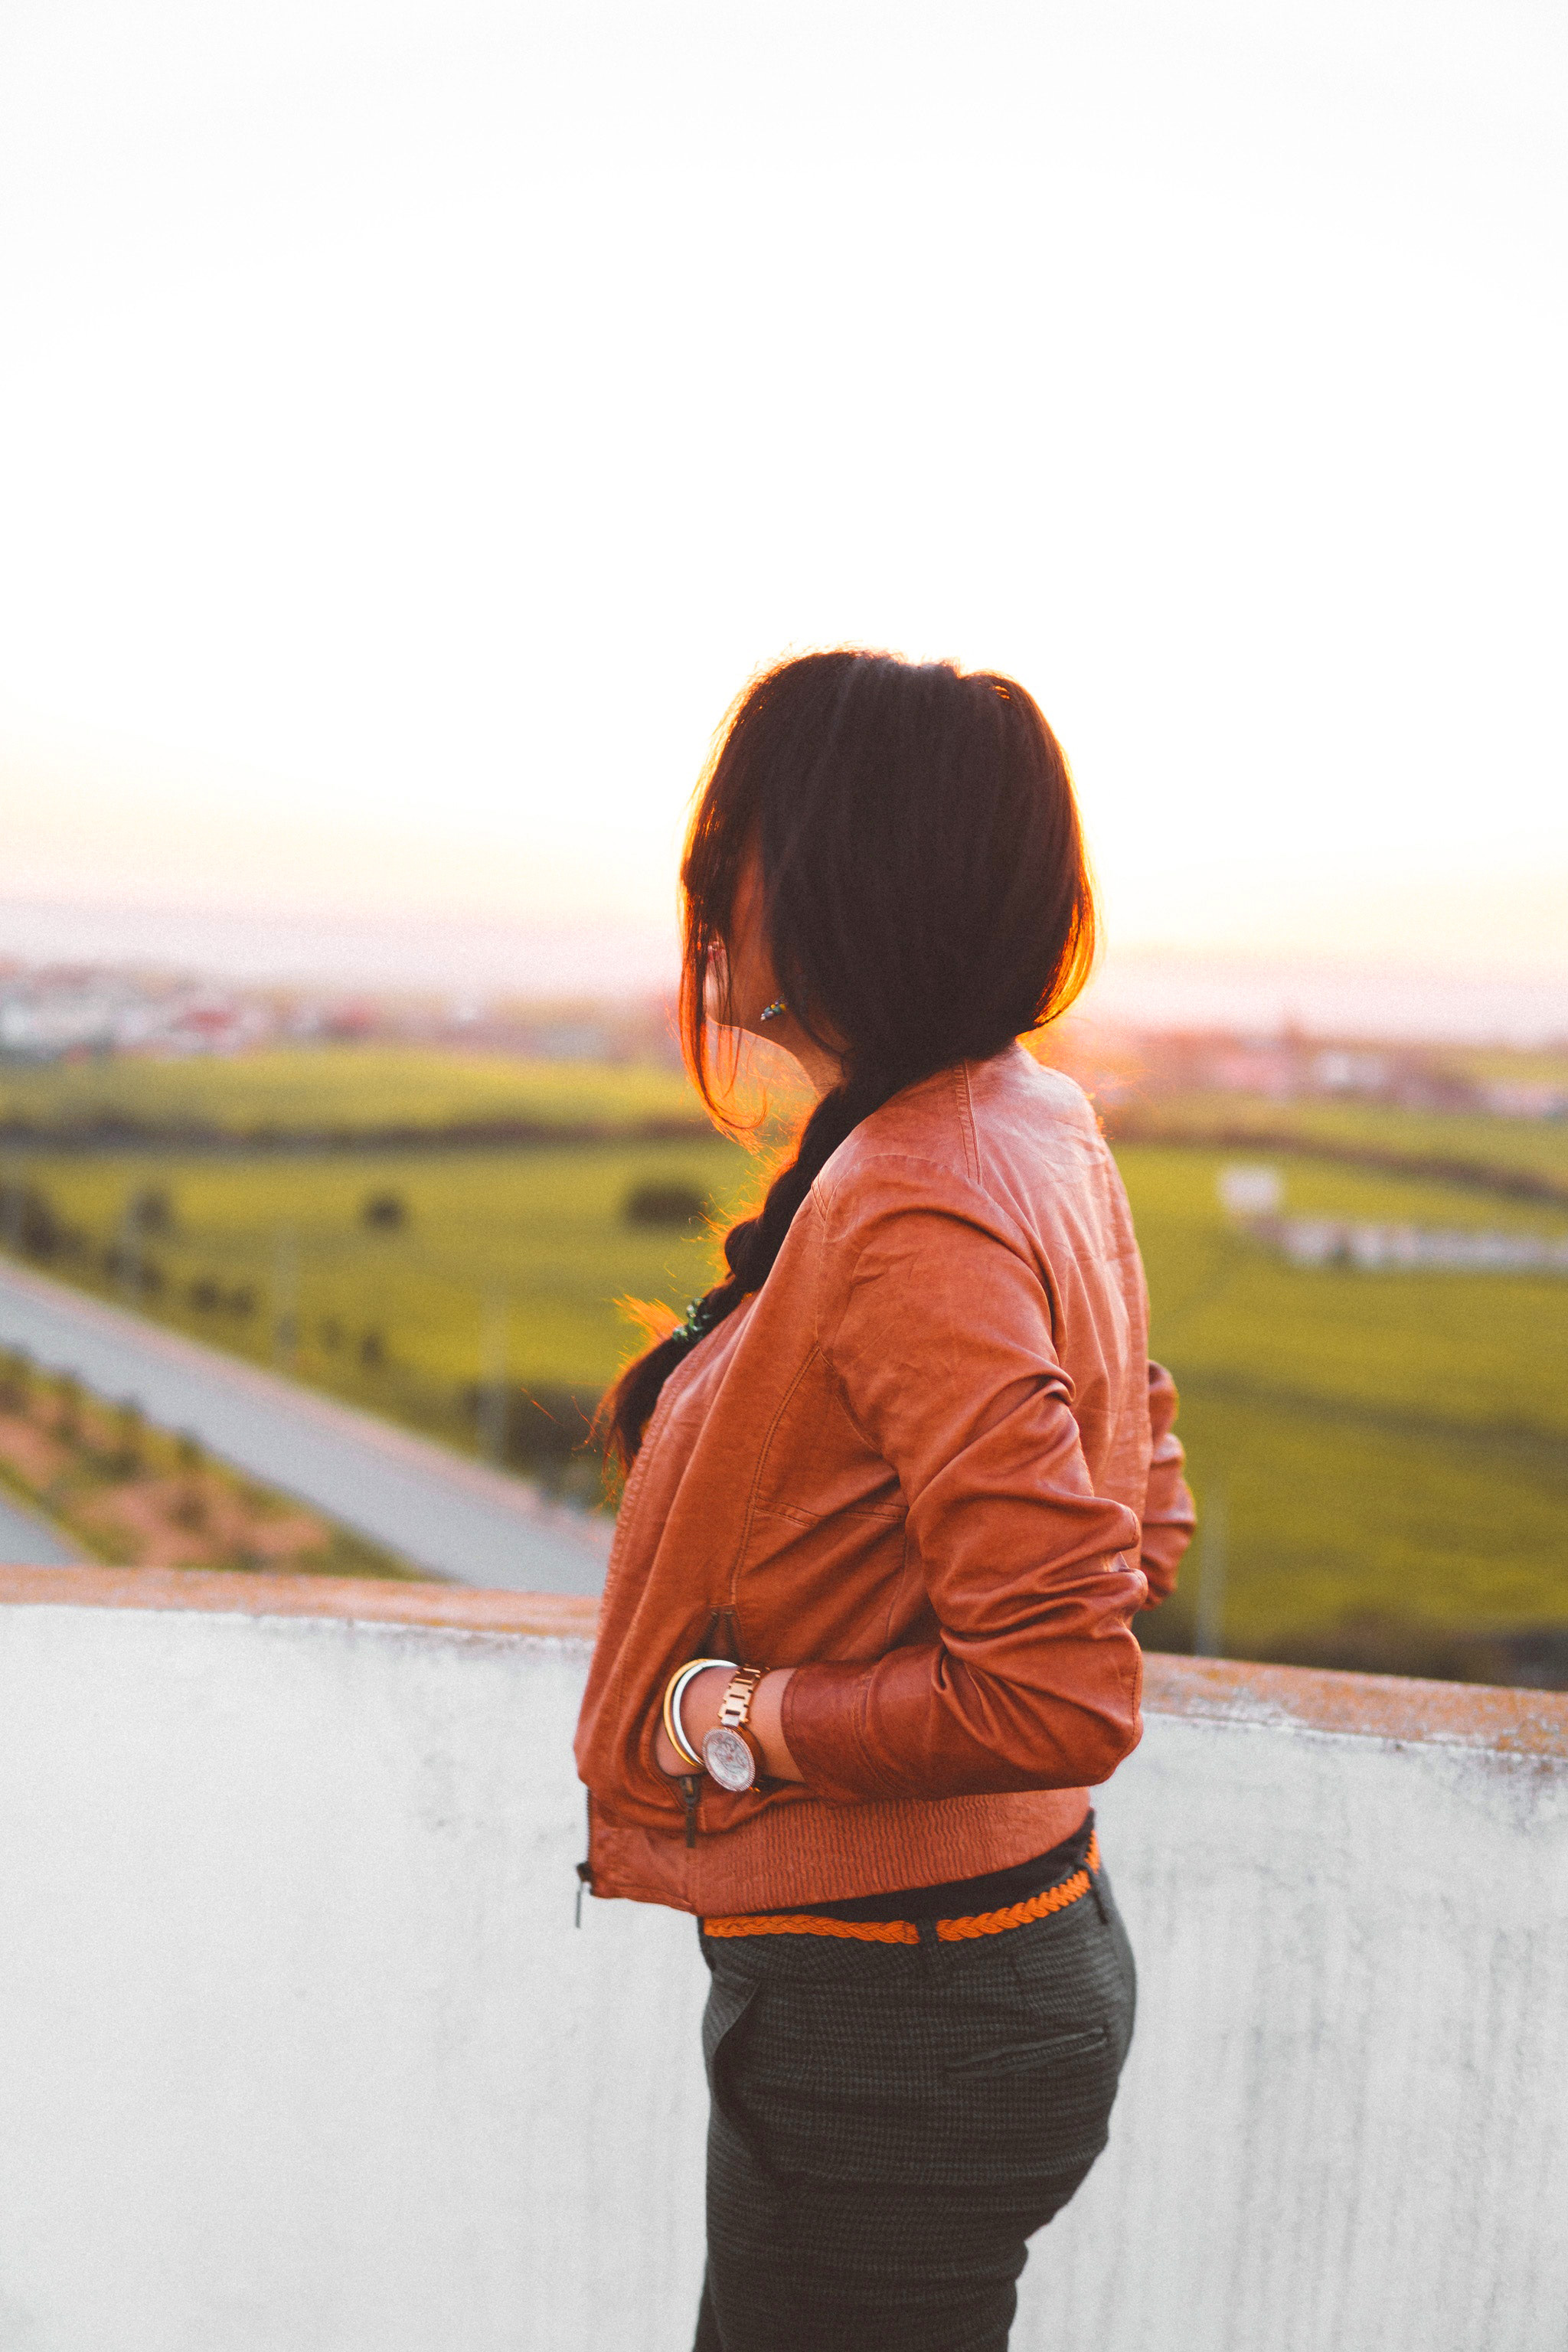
752	983
716	986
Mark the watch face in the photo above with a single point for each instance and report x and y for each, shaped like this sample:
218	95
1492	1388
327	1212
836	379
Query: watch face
729	1759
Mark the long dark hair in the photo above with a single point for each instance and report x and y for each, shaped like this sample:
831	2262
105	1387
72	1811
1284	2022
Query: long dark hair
925	893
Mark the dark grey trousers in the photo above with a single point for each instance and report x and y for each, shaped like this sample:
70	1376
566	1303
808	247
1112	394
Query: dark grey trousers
891	2123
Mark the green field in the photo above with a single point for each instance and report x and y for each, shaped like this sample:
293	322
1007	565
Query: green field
1390	1449
342	1091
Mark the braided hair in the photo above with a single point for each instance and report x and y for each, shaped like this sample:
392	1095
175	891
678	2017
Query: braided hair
925	891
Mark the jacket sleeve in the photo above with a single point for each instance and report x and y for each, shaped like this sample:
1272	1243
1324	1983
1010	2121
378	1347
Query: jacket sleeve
1169	1516
937	1326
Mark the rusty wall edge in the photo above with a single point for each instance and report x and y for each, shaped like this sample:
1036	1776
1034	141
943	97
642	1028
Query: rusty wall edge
1211	1690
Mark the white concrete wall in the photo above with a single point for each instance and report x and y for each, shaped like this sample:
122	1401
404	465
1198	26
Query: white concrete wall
300	2052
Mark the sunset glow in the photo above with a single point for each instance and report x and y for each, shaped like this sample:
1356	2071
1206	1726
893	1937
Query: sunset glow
418	420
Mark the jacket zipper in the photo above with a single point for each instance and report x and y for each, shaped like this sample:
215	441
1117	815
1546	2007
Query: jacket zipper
722	1635
586	1867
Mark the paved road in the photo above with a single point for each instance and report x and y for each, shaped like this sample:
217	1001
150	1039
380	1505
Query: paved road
440	1513
26	1541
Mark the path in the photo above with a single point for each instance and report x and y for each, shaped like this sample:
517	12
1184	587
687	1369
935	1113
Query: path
441	1513
28	1541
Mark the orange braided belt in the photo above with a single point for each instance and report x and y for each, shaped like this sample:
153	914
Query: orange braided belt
904	1931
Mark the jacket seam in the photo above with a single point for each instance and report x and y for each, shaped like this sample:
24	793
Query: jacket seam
859	1718
896	1594
942	1203
839	1390
743	1544
871	1769
891	1515
825	1345
966	1124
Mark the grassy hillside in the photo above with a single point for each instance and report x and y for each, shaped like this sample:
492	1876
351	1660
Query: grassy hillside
499	1261
1532	1147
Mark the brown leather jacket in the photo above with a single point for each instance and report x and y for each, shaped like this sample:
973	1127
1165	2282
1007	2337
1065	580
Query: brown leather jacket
929	1466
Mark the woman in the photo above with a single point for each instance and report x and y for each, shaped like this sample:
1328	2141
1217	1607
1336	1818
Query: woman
896	1488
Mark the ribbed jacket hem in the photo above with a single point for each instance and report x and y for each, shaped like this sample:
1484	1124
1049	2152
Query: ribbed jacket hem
808	1852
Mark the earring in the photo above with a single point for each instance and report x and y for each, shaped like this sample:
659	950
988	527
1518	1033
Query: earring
771	1011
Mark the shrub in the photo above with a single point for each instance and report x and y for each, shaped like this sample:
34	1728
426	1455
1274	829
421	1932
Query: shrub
543	1429
130	1437
133	1267
190	1504
150	1210
29	1222
665	1203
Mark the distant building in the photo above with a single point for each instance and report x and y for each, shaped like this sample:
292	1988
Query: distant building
1248	1192
1534	1100
1340	1073
1404	1248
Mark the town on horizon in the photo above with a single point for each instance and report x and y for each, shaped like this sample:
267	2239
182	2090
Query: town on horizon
1125	1042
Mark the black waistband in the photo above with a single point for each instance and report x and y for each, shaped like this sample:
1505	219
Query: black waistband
962	1898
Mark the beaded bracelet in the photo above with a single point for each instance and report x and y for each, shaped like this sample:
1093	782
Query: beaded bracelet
700	1318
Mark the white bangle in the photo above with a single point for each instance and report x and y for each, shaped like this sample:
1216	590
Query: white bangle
688	1672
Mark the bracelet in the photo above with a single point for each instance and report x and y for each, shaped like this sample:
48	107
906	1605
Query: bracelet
674	1694
675	1731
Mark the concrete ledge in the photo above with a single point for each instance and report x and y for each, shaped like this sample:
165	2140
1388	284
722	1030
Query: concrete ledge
360	1600
1367	1706
292	2007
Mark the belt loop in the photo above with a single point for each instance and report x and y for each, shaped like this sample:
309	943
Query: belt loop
930	1943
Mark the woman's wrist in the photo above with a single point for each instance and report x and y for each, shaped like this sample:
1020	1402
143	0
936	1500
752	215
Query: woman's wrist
701	1701
767	1726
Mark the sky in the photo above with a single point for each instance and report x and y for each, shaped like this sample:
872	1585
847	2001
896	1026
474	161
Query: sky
416	421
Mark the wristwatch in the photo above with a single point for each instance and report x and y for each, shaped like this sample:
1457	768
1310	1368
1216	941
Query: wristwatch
728	1751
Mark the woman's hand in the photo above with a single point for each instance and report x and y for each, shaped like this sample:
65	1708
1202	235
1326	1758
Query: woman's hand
699	1704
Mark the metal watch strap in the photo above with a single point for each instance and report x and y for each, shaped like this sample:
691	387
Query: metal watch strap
735	1711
